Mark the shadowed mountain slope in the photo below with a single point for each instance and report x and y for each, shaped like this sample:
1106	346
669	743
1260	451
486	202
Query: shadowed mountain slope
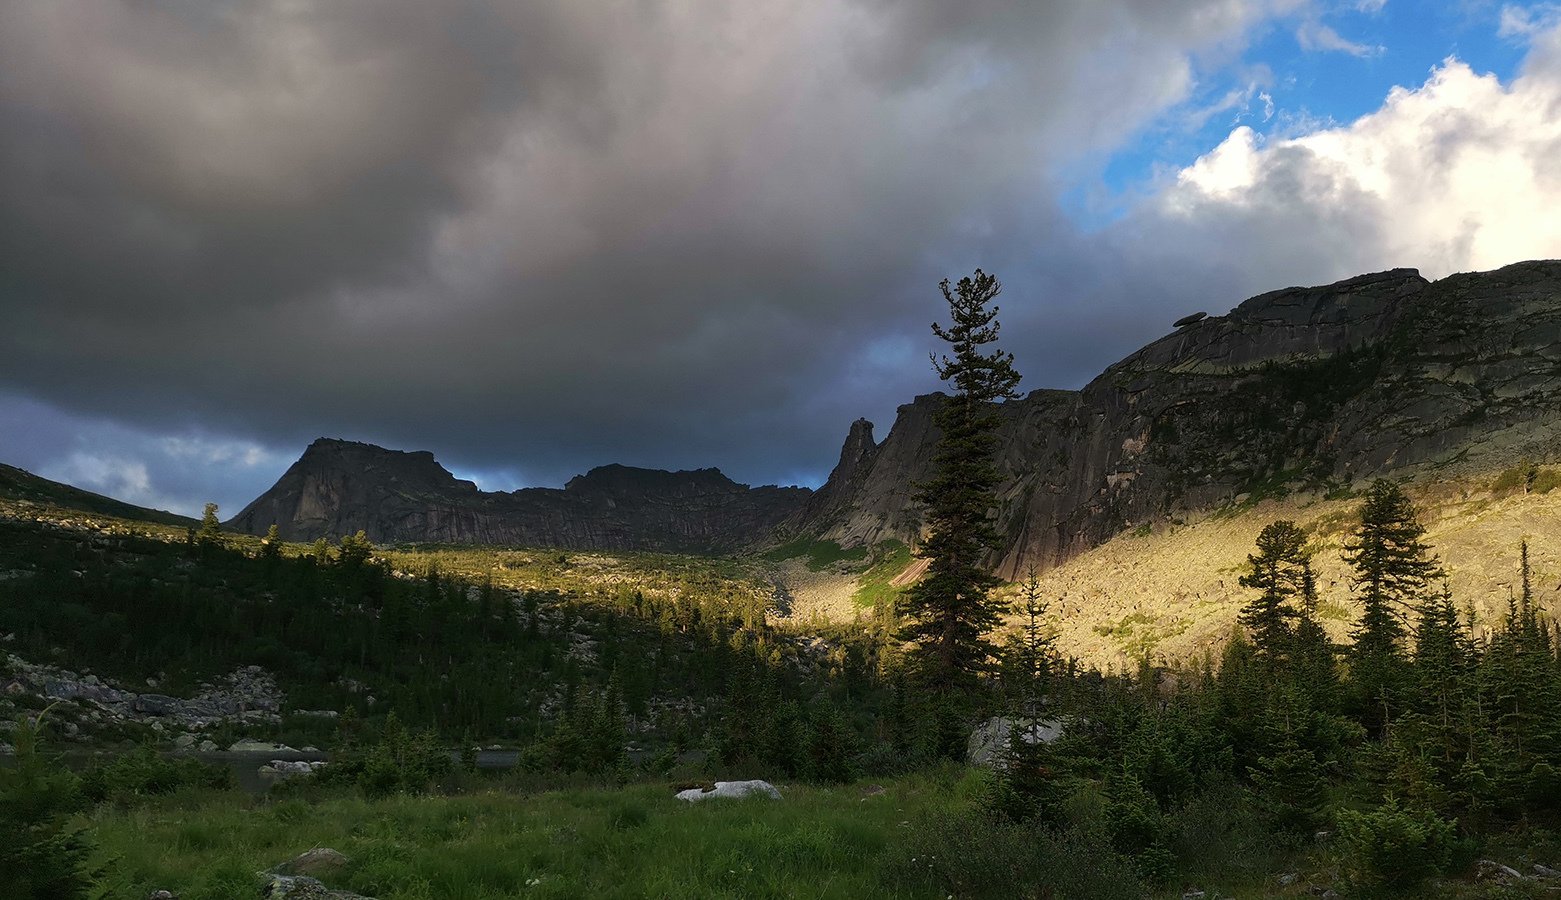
340	487
25	487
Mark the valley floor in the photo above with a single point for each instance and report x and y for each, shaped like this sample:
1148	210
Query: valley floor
912	837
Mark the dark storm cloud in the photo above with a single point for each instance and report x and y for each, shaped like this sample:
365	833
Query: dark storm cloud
542	236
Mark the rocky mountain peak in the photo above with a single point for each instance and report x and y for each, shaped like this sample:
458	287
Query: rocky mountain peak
1303	387
339	487
620	480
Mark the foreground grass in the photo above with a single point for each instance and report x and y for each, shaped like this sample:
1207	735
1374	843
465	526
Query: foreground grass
631	842
917	836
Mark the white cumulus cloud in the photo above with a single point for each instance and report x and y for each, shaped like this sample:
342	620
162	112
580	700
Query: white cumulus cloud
1459	173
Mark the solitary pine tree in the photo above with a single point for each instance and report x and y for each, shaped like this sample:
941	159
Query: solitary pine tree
1394	570
211	529
271	544
950	611
1277	571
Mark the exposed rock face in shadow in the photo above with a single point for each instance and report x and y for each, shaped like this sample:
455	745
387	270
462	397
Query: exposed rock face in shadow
341	487
1304	386
1310	387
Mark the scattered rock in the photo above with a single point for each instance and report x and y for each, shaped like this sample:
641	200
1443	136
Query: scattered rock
1489	868
317	713
872	790
245	745
1189	319
1545	872
248	694
207	747
1288	879
302	887
284	768
184	741
731	790
162	895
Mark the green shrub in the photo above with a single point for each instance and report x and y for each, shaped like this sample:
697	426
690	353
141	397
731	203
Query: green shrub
143	773
400	762
975	855
1545	481
41	854
1392	847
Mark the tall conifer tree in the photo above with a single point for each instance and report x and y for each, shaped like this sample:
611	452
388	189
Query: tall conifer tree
950	611
1394	569
1277	571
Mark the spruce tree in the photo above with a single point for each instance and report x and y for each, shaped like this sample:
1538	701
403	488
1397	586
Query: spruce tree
1032	655
1277	572
1442	674
1025	786
211	528
1313	667
271	544
949	613
1394	569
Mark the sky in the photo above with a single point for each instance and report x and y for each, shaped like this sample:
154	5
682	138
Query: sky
537	237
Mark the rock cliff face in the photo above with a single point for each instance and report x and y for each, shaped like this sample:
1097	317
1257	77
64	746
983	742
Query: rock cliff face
1302	387
340	487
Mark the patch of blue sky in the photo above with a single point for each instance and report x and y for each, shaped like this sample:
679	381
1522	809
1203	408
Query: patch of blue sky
1300	73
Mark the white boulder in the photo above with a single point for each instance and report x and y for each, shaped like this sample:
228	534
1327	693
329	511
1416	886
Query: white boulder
731	790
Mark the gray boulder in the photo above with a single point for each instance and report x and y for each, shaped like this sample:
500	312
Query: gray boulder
302	887
314	863
989	741
286	768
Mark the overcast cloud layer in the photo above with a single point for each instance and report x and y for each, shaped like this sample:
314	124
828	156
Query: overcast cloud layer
537	237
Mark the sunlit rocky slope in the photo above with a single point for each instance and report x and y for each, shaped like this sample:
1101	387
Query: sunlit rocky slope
1298	388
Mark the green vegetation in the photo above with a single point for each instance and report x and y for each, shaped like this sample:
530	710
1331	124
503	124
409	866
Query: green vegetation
874	589
1139	633
1420	748
42	853
1527	477
819	554
464	654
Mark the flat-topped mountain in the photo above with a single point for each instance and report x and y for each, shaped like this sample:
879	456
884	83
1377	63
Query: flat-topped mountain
1319	386
341	487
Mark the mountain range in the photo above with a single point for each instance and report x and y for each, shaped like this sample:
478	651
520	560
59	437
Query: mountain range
1309	388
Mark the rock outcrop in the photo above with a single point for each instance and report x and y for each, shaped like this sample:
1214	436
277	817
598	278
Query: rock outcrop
341	487
247	695
1299	387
